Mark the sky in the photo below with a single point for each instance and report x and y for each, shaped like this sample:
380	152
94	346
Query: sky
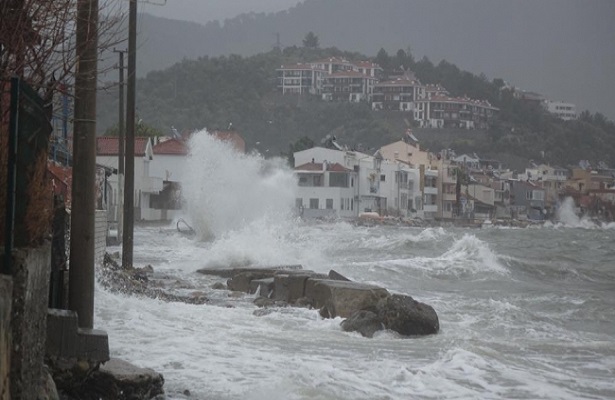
208	10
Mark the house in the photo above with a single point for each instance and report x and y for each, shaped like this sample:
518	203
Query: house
325	190
346	183
145	183
527	200
426	194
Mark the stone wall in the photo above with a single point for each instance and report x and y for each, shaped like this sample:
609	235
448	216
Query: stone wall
100	236
31	269
6	290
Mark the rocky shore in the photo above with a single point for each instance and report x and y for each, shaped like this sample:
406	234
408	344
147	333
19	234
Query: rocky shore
365	309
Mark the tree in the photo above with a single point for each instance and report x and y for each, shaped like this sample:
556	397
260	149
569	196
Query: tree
383	59
310	41
141	129
303	143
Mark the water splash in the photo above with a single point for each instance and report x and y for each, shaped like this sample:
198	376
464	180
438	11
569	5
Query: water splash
567	216
226	190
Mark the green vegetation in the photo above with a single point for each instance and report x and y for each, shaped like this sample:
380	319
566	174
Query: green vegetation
214	92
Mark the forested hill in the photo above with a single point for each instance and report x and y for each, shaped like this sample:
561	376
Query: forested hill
214	92
556	47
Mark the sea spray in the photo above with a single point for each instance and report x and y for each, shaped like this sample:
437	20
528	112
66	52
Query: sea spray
567	216
225	190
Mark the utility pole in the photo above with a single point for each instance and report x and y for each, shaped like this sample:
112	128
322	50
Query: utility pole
129	210
81	272
121	139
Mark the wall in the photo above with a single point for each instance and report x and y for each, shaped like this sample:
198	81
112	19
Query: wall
6	290
100	236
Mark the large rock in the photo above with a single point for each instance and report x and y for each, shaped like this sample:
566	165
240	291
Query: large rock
363	321
407	316
341	298
115	380
230	272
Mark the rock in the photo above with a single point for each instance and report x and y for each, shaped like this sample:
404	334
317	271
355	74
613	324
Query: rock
48	390
219	286
126	381
363	321
231	271
336	276
289	287
407	316
303	302
264	302
342	298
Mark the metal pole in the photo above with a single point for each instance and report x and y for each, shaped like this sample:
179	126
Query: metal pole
81	272
127	242
120	174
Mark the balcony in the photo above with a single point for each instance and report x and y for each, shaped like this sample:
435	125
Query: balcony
430	190
151	185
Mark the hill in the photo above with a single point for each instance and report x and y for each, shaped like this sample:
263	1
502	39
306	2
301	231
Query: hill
556	47
214	92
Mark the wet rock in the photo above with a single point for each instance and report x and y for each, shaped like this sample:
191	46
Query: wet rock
219	286
363	321
336	276
407	316
304	302
119	380
264	302
341	298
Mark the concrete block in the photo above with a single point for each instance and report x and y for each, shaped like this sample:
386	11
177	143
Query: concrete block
62	333
289	287
93	345
340	298
262	286
31	271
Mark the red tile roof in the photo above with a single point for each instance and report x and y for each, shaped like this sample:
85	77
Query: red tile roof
171	147
109	146
233	137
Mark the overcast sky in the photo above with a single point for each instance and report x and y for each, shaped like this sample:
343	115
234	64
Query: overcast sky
207	10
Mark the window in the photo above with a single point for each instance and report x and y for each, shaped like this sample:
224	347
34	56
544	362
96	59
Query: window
314	204
338	179
341	203
317	180
383	178
329	204
298	203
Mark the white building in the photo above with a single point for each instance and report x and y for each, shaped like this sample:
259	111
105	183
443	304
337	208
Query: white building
337	183
565	111
145	184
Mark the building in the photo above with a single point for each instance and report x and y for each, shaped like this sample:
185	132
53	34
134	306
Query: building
425	195
349	86
300	79
454	112
145	184
565	111
325	190
337	183
398	94
527	200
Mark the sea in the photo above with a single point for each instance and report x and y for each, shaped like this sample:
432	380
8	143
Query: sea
525	313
